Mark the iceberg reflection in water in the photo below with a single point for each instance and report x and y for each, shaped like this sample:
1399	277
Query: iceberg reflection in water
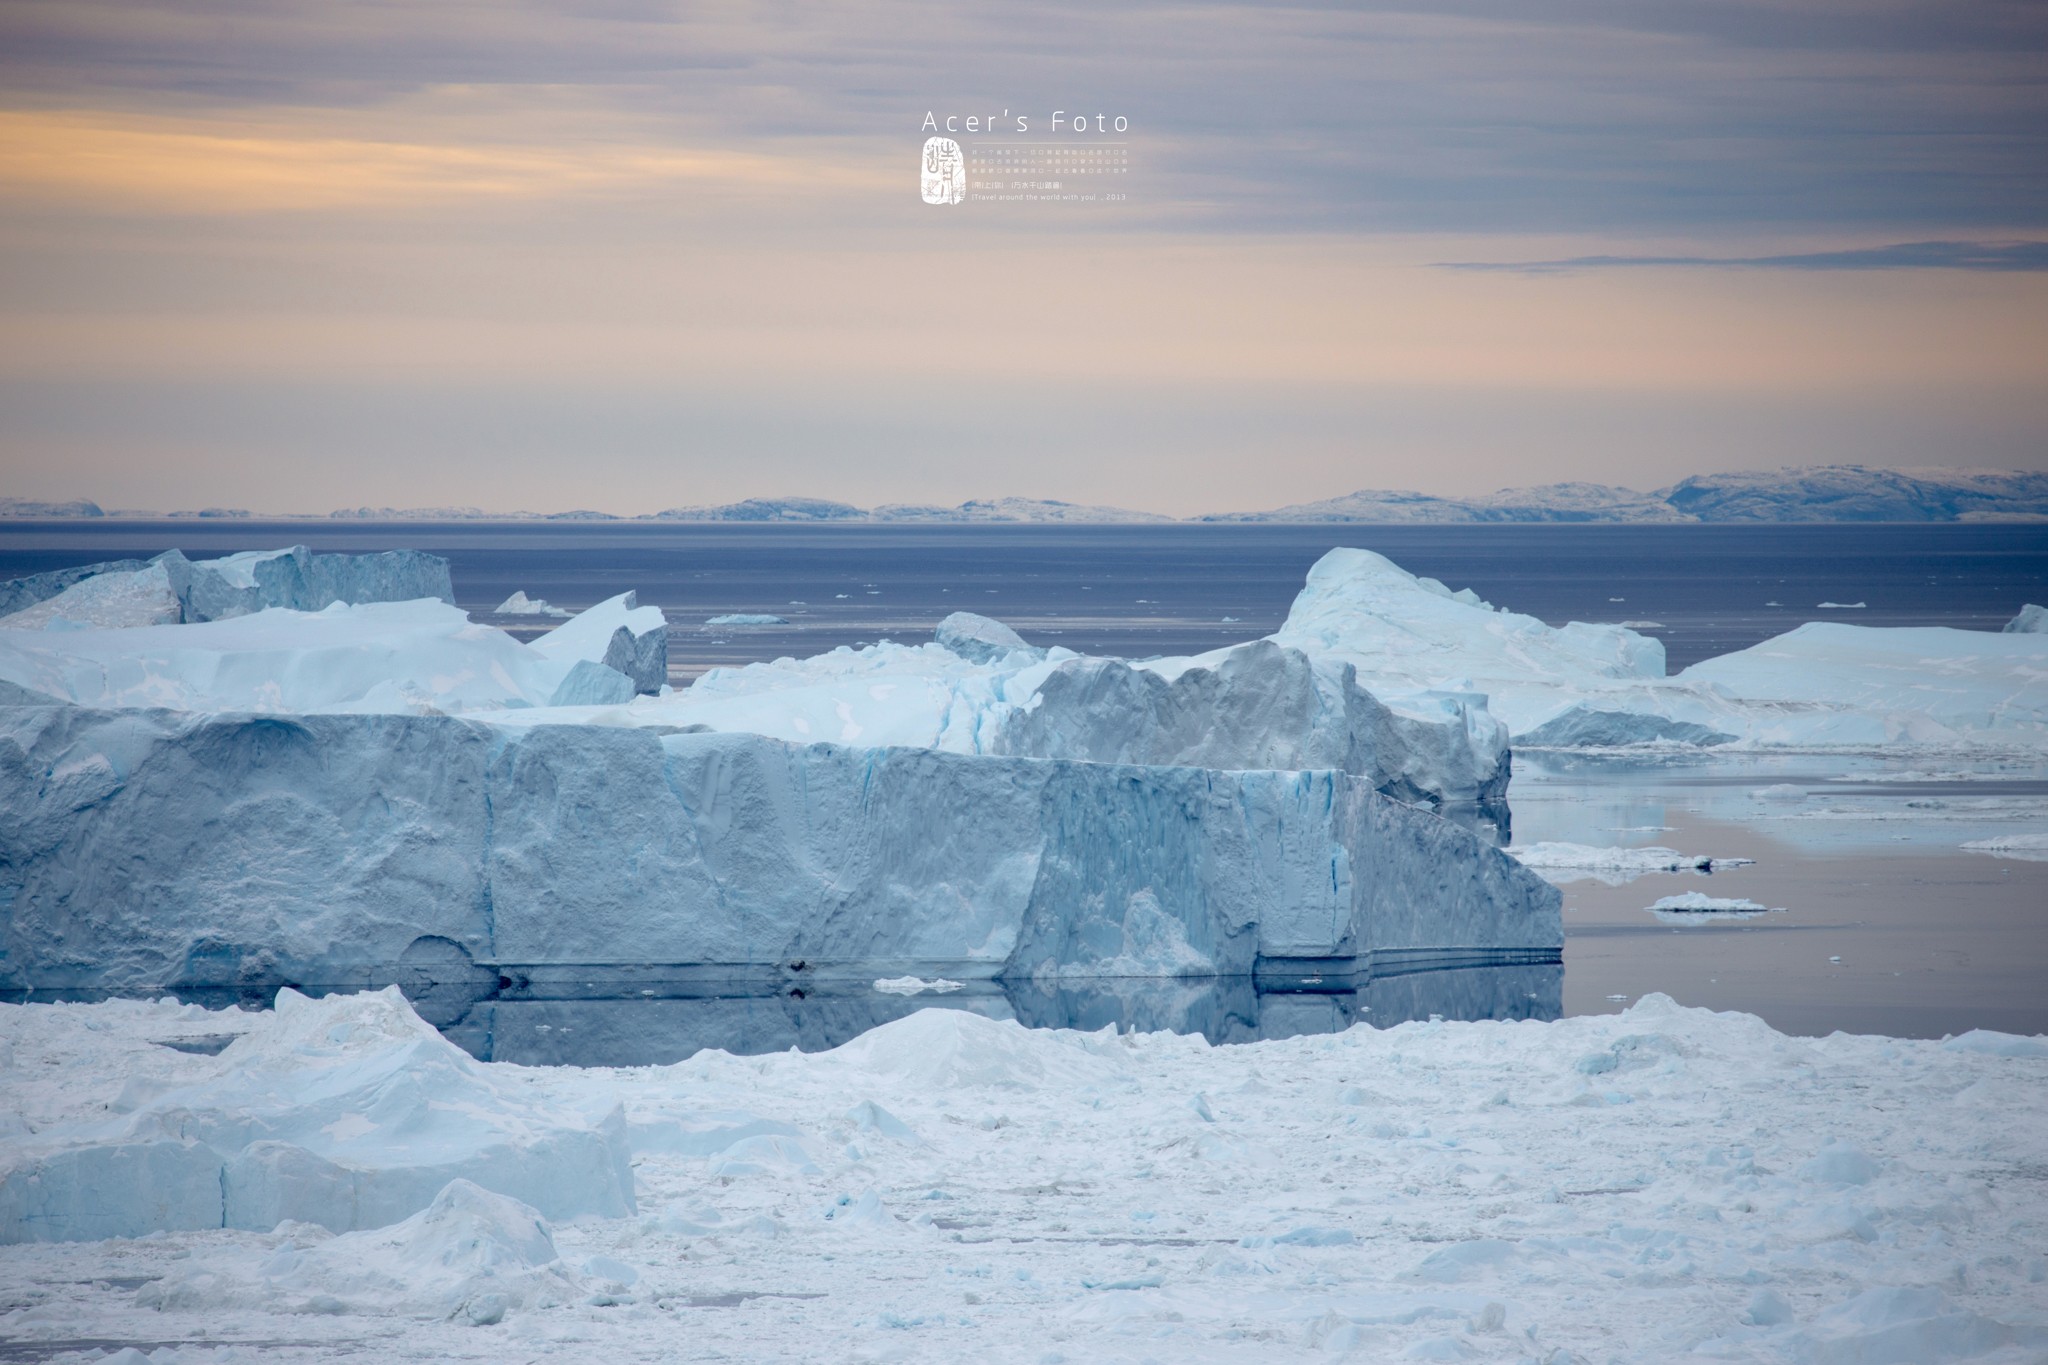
653	1019
602	1023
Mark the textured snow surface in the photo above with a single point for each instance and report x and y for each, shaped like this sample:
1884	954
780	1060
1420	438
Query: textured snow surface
159	848
345	1112
1660	1185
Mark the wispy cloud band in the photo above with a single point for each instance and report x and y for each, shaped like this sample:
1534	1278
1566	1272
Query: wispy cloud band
1993	256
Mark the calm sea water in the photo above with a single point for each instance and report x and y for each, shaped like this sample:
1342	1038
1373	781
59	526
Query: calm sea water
1880	921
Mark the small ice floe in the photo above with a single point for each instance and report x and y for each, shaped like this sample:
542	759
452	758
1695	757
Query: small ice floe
2028	848
1642	625
1779	791
1558	863
1694	908
746	618
519	604
1840	606
912	985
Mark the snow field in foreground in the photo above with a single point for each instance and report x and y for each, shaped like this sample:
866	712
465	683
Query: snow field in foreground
1663	1184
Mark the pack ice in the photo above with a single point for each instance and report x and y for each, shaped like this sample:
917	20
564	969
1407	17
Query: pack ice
1662	1184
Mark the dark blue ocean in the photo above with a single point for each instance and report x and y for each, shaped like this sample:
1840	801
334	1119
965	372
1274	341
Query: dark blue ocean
1887	924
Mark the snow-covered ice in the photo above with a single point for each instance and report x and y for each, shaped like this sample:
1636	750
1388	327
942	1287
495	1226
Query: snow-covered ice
1696	906
1558	862
346	1112
618	633
1823	685
414	656
138	597
2029	847
1255	706
1663	1184
2032	619
519	604
746	618
235	585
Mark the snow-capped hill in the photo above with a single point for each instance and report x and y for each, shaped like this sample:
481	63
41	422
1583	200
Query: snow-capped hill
29	507
1856	493
1012	509
1818	493
767	509
1545	502
979	509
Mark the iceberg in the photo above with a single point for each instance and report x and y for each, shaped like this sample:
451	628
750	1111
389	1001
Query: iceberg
153	848
412	656
746	618
1578	685
980	639
18	594
2032	619
618	633
974	691
238	584
126	598
519	604
346	1112
1558	863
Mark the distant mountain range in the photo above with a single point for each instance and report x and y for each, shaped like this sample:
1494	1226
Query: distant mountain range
1815	493
1810	494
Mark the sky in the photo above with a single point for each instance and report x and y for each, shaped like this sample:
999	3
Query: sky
297	256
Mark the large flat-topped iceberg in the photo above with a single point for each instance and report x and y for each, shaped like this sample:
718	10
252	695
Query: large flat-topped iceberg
155	848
